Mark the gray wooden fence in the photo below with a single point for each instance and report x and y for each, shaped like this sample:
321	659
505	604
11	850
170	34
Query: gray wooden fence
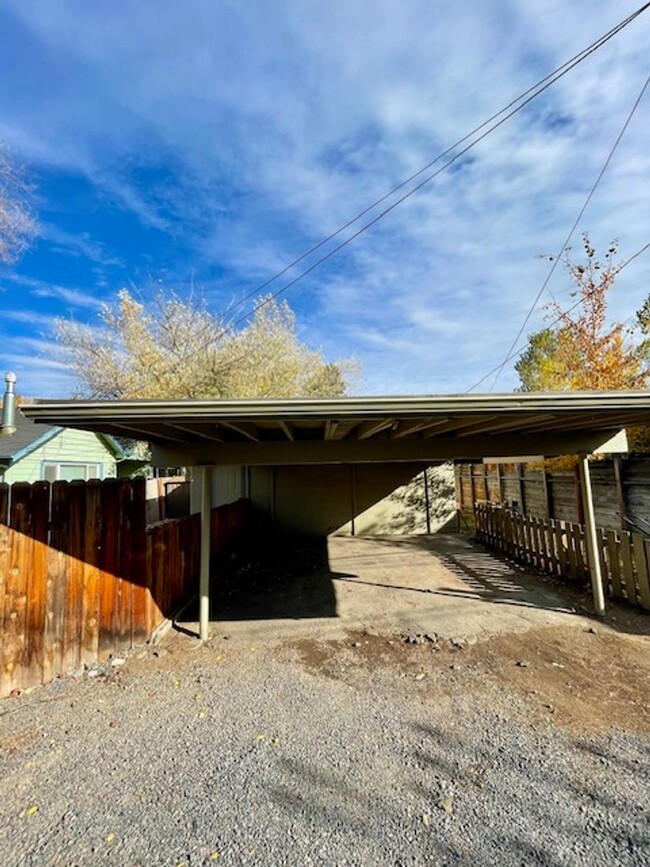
621	491
559	548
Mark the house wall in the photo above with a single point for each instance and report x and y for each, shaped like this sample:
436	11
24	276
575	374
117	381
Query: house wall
69	445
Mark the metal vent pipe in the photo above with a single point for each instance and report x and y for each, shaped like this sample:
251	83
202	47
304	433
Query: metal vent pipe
8	425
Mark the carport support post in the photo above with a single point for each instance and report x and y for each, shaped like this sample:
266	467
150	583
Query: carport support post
591	538
204	580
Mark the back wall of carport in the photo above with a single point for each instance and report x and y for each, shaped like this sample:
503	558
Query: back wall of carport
359	498
340	498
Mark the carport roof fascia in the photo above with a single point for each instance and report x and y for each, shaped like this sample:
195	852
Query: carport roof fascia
76	411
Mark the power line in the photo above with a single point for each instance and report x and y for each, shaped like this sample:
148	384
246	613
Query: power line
548	81
556	259
576	58
554	322
508	111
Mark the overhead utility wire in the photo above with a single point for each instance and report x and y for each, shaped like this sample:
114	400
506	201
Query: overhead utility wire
557	319
576	57
556	259
429	178
527	96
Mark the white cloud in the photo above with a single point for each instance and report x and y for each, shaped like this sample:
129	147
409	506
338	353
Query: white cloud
282	119
76	298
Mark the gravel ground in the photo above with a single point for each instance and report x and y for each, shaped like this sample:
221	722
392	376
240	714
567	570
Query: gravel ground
366	751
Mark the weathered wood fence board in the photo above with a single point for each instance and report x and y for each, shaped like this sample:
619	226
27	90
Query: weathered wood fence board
82	576
620	486
559	548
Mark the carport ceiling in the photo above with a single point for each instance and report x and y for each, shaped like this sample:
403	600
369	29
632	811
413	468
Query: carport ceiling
358	428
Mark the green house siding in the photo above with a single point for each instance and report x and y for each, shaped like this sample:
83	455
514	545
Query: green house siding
69	446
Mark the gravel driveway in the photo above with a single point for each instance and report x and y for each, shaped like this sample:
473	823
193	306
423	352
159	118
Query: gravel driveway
361	751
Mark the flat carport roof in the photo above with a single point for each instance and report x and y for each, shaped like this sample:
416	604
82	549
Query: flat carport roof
360	429
363	429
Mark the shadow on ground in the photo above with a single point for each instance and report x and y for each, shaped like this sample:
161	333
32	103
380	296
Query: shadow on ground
286	577
492	577
367	579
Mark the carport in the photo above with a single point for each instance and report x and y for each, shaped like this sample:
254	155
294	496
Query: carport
363	430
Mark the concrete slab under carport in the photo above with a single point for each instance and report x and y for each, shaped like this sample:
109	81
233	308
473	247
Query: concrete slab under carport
392	585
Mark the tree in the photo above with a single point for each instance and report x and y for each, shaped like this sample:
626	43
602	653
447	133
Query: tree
580	351
178	348
17	225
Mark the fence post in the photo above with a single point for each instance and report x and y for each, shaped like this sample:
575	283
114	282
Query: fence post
579	493
499	483
548	493
591	539
522	491
620	491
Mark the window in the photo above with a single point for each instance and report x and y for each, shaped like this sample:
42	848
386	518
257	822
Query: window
69	472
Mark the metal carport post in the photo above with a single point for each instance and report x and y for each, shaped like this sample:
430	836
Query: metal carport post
206	529
591	538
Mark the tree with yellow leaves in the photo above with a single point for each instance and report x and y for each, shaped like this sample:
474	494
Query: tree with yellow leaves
17	225
580	351
177	348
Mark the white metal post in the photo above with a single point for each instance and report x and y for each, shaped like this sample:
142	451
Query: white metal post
590	537
204	581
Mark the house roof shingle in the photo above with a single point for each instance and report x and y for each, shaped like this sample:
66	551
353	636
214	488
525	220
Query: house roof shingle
27	432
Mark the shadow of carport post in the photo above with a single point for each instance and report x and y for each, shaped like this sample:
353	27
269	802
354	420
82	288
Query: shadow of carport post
204	579
591	537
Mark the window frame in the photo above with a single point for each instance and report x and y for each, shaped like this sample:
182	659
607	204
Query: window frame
87	464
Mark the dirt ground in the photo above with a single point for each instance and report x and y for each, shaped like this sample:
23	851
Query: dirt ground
475	621
585	682
581	677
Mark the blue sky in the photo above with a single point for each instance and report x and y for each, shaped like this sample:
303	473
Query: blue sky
214	142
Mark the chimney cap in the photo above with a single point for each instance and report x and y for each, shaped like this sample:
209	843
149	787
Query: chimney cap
10	377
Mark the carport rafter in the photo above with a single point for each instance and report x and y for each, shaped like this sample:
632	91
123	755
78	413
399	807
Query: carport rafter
331	427
206	431
499	424
149	434
408	428
455	424
247	429
286	429
368	429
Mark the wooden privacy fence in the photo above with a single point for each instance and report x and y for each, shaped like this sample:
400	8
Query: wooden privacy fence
82	576
173	555
559	548
620	489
